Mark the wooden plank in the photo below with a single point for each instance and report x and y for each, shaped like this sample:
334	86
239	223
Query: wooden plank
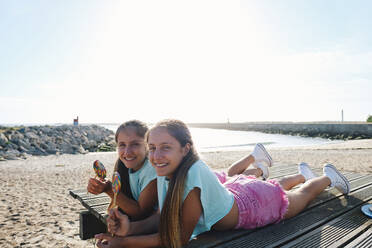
75	193
279	167
363	241
283	173
322	210
97	201
336	232
100	211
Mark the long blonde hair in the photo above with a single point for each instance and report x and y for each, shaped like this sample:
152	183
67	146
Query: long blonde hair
171	214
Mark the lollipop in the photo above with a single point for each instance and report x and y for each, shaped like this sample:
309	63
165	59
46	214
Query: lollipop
116	185
99	169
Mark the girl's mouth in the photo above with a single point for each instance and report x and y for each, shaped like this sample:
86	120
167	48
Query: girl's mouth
161	165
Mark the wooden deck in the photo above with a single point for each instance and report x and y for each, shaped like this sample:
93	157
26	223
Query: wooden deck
331	220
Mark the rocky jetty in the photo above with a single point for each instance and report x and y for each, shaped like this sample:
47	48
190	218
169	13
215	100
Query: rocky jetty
341	131
21	142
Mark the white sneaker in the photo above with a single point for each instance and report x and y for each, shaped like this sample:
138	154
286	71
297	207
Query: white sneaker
338	180
261	155
264	168
262	160
304	169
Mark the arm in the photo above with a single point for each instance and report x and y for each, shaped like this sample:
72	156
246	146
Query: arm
191	212
107	241
145	205
119	224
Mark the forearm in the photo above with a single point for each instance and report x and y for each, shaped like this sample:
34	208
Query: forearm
151	240
132	208
146	226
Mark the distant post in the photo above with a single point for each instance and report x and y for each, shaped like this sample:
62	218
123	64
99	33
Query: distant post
342	115
76	121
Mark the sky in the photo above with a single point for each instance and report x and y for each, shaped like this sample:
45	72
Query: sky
197	61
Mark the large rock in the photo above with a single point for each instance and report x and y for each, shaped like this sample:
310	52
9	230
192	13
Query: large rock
12	154
15	137
3	139
24	143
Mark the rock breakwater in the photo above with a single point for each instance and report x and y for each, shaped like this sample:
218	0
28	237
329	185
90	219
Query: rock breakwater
21	142
342	131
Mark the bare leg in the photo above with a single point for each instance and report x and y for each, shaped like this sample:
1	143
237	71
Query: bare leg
301	197
289	182
241	166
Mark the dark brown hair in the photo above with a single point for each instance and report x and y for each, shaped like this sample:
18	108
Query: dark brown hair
140	129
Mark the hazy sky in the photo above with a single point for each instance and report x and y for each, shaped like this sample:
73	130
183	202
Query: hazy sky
198	61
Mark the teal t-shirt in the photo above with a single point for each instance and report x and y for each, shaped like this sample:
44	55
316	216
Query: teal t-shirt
216	200
140	179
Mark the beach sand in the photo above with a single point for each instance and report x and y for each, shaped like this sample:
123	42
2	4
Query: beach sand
36	209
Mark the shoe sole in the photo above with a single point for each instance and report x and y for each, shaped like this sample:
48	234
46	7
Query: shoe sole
268	172
266	153
342	176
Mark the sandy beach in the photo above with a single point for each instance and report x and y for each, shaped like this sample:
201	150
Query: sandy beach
36	209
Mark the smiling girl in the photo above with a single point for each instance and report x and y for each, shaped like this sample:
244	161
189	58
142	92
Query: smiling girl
192	200
138	196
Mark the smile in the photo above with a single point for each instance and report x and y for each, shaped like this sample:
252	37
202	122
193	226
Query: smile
129	159
161	165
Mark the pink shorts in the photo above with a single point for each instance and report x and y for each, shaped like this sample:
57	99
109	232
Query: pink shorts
259	202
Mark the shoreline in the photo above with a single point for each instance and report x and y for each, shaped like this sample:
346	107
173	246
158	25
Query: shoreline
37	210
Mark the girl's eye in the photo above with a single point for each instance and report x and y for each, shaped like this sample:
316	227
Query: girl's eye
166	148
151	149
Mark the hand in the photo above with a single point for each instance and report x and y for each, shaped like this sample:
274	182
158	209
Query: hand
118	223
96	186
105	240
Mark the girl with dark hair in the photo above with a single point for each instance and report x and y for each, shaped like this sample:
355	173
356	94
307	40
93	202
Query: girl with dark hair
138	196
193	200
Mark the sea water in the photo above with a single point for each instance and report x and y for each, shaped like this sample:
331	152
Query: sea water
207	139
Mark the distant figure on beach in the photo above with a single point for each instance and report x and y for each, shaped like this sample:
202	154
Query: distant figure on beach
193	200
138	196
76	121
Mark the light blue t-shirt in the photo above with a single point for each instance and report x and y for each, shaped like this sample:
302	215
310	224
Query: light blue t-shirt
138	180
216	200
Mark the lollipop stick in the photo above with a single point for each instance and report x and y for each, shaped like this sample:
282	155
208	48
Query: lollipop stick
114	205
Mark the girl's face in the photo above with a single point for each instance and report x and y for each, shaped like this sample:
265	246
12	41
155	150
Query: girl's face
165	152
131	148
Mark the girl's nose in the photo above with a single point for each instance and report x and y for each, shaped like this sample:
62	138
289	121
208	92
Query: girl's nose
127	150
157	155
